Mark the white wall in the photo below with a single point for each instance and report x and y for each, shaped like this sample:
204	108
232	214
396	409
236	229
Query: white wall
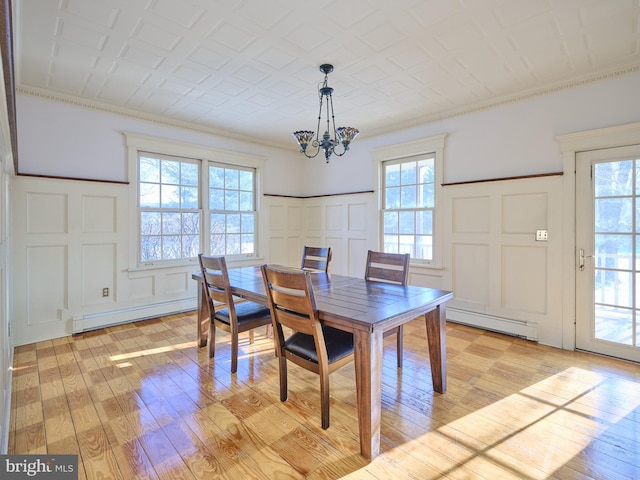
65	140
79	232
509	140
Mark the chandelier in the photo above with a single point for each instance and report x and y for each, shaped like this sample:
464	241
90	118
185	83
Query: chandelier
341	135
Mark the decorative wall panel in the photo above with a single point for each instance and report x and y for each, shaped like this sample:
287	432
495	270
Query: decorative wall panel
471	215
470	269
313	241
524	279
313	218
335	215
46	213
358	217
357	256
47	273
98	263
338	255
524	213
176	283
277	218
278	248
142	287
98	214
294	218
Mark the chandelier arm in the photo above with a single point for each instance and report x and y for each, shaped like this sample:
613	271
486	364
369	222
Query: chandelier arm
316	141
315	144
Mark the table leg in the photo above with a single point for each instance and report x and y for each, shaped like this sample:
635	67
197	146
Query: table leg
368	364
437	338
202	316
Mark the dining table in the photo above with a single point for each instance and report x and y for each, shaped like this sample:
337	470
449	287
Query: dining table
367	309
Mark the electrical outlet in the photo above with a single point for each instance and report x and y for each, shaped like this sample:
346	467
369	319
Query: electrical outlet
105	292
542	235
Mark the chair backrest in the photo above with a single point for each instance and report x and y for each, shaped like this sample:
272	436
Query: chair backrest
316	259
387	267
292	302
216	280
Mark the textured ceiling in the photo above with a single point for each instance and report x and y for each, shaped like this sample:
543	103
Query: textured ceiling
250	67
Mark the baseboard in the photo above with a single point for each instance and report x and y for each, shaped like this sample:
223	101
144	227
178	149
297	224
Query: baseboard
519	328
86	323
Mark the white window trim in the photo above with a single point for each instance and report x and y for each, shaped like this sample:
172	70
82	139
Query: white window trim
399	151
143	143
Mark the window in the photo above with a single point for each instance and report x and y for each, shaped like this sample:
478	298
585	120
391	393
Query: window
410	180
232	216
408	206
169	208
191	199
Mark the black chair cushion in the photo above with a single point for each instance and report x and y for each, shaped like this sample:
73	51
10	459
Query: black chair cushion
245	311
339	344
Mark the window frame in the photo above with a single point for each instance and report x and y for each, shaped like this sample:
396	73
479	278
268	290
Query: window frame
410	151
137	144
208	212
167	210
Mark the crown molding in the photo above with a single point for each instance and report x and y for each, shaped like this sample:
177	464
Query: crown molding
538	91
138	115
415	122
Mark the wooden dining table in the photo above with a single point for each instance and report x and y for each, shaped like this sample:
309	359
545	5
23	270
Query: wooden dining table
367	309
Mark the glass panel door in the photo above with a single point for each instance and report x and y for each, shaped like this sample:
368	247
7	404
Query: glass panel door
608	273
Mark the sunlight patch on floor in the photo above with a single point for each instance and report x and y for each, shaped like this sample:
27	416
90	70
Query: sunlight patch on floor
150	351
564	412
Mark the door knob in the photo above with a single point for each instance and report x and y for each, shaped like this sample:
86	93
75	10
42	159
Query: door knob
582	257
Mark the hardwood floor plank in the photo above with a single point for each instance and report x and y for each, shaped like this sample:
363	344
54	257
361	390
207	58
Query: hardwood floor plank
97	456
31	439
143	401
133	462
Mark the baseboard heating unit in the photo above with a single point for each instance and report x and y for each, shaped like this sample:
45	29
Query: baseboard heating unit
518	328
95	321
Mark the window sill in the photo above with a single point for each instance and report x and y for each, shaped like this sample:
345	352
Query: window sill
193	263
164	266
425	266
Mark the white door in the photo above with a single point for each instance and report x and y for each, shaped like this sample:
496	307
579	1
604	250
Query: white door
608	252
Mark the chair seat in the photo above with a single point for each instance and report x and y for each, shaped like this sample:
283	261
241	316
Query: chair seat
245	311
339	344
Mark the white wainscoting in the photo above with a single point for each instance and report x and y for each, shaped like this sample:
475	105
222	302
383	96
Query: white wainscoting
346	223
502	277
71	241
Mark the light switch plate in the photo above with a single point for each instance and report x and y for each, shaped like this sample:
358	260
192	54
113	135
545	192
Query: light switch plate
542	235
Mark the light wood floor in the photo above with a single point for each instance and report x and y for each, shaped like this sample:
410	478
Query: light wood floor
142	401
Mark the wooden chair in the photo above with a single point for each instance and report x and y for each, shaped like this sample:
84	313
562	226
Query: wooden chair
312	346
389	268
234	318
316	259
